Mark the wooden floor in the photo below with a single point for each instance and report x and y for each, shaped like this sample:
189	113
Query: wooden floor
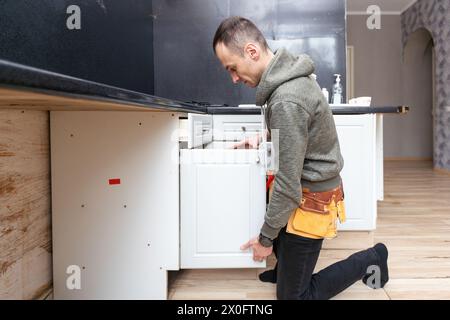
414	223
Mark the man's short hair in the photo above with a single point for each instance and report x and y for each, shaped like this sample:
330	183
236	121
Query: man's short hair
234	32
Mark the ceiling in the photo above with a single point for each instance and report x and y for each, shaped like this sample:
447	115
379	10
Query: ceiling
386	6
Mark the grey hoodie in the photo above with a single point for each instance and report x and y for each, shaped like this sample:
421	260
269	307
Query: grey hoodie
309	154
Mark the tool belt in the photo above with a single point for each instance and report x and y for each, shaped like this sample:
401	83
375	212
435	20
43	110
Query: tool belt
317	215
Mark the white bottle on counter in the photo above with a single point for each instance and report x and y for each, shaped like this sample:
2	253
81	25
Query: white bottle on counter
326	94
337	90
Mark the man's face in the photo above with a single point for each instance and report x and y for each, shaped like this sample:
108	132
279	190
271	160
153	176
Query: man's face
241	68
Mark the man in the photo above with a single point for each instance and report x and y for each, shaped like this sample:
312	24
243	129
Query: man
307	196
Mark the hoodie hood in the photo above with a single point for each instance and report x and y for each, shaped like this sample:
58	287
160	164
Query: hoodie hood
284	67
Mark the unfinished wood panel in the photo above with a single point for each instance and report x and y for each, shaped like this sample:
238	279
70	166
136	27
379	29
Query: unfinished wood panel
25	219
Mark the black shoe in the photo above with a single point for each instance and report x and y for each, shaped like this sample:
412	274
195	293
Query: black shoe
382	253
269	276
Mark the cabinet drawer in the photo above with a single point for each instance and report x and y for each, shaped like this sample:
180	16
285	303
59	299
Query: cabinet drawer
222	203
235	127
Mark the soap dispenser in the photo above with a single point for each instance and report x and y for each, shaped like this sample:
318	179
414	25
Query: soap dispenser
337	90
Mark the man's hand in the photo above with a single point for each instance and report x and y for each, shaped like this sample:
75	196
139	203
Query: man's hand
259	252
247	143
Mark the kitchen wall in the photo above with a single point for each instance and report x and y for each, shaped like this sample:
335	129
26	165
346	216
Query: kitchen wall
390	77
434	15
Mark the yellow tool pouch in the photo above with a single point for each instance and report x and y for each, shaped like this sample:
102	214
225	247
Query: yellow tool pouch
317	215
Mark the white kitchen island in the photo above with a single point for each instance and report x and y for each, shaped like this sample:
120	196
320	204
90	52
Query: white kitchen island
361	142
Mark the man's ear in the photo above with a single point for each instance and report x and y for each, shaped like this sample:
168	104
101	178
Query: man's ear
252	51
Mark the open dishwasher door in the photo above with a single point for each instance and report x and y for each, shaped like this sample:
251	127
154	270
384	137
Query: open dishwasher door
222	203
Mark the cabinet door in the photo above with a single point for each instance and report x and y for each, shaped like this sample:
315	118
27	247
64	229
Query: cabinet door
222	206
357	140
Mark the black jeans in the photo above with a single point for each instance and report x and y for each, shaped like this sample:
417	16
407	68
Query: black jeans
296	259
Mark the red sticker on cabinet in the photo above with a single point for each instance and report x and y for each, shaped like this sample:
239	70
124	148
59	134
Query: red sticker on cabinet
114	181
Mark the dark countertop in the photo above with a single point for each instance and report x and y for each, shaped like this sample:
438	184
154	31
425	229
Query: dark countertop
20	77
338	110
23	78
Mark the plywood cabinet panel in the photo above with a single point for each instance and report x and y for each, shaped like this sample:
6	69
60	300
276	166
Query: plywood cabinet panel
25	220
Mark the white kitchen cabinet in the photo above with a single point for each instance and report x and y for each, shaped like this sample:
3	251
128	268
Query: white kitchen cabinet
222	196
115	208
223	203
358	143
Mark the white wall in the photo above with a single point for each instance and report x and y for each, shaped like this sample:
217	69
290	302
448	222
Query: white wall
382	72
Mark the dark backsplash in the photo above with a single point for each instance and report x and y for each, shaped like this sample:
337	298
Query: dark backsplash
114	45
185	65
